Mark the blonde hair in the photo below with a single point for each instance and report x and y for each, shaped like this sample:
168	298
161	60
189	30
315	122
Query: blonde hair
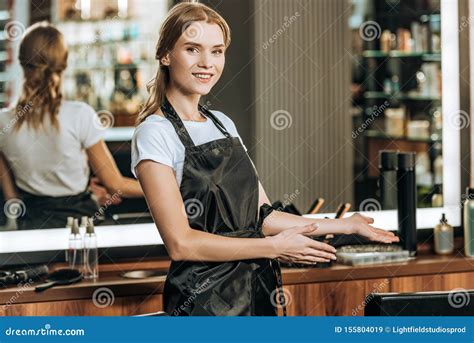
177	20
43	57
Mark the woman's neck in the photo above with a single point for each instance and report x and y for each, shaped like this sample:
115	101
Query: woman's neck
186	106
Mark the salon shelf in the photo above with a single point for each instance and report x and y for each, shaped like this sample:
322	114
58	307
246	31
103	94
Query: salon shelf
314	291
425	56
401	96
382	135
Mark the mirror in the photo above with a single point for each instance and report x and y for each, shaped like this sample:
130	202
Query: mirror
404	86
404	81
397	103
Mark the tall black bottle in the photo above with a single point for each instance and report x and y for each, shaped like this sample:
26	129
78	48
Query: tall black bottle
388	164
406	189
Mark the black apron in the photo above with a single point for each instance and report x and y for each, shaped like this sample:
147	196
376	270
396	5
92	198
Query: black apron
219	188
44	212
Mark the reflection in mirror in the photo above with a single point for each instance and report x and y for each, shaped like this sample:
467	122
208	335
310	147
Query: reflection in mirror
71	93
396	98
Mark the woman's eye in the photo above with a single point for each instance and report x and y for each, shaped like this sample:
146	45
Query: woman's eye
191	49
218	52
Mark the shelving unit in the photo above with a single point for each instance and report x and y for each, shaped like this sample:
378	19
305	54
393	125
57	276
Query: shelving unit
400	69
111	53
5	52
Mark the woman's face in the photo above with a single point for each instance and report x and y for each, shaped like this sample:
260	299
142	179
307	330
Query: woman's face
197	59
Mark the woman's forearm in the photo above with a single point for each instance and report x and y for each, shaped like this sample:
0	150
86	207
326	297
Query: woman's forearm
204	246
130	188
6	180
278	221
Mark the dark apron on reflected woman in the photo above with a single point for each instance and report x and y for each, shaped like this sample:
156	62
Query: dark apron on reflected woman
219	188
43	212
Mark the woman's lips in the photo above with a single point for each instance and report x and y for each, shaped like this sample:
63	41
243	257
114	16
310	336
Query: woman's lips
203	77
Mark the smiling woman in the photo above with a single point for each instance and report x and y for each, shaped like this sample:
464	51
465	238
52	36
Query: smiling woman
204	192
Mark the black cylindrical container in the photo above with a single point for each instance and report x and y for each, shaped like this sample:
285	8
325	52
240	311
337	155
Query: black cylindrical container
388	163
406	186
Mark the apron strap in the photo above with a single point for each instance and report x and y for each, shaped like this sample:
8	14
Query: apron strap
216	120
177	123
281	294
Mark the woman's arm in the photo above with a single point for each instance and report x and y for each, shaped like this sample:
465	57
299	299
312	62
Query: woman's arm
183	243
8	185
104	167
278	221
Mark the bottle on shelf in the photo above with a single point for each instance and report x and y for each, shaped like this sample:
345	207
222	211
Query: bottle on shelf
75	247
437	198
70	221
407	195
468	222
443	237
91	253
82	227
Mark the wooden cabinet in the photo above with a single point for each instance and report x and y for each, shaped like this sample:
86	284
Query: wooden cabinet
335	291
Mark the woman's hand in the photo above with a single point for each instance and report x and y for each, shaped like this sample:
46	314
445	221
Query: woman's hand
292	245
359	224
102	195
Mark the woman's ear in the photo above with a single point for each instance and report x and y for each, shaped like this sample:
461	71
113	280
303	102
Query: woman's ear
165	61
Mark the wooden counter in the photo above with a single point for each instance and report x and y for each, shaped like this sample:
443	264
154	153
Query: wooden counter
338	290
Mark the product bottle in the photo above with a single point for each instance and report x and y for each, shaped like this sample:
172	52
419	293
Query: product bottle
443	237
388	179
406	189
437	198
82	227
69	223
469	223
91	254
75	247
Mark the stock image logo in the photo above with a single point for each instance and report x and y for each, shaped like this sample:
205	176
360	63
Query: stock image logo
14	30
281	299
14	208
458	298
193	208
370	205
281	120
104	120
103	297
370	30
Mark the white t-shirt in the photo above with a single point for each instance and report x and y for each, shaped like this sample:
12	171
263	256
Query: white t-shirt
49	162
156	139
